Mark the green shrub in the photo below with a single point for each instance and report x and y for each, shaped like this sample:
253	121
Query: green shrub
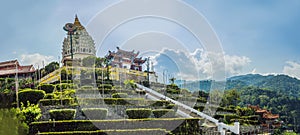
161	103
186	126
201	100
49	96
141	92
172	106
95	113
199	108
31	112
62	114
120	95
163	113
33	96
12	122
65	86
105	86
130	84
229	117
52	102
48	88
117	88
138	113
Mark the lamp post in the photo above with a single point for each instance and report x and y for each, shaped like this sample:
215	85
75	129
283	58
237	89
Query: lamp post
70	28
17	84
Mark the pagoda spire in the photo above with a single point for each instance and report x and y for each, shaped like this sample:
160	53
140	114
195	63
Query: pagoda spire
77	23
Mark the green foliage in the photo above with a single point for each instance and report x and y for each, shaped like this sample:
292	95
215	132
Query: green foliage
51	67
186	126
114	132
62	114
67	93
173	86
111	101
33	96
55	102
31	112
49	96
120	95
138	113
65	86
12	122
161	103
163	113
130	84
95	113
7	100
48	88
105	86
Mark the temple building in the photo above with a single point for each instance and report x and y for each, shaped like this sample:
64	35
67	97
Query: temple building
267	119
11	68
82	44
125	59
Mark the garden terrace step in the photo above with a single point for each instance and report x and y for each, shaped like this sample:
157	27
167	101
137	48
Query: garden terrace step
112	132
176	125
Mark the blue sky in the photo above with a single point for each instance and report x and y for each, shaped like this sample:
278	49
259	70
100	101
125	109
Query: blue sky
256	36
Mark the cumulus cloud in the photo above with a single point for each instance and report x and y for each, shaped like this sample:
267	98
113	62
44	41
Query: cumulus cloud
36	59
292	69
199	64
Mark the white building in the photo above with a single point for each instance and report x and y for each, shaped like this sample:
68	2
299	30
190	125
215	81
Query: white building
82	43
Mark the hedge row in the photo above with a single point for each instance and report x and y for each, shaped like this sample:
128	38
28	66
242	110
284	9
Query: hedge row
100	91
181	125
112	132
120	95
138	113
105	86
33	96
95	113
111	101
48	88
62	114
49	102
163	113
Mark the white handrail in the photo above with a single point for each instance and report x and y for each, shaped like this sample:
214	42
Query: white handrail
221	125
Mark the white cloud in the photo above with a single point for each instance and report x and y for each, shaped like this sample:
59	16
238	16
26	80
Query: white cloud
35	59
199	64
292	69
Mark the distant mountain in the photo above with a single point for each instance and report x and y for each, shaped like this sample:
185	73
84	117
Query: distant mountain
279	83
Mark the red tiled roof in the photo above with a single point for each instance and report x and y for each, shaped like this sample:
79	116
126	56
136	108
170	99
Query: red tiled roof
11	68
9	63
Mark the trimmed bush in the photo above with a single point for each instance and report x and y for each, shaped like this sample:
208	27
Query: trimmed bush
62	114
48	88
141	92
163	113
65	86
120	95
95	113
172	106
111	101
49	96
49	102
161	103
33	96
186	126
105	86
138	113
199	108
112	132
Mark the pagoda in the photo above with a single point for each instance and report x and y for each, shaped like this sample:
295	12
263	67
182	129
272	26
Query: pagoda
267	119
125	59
82	43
